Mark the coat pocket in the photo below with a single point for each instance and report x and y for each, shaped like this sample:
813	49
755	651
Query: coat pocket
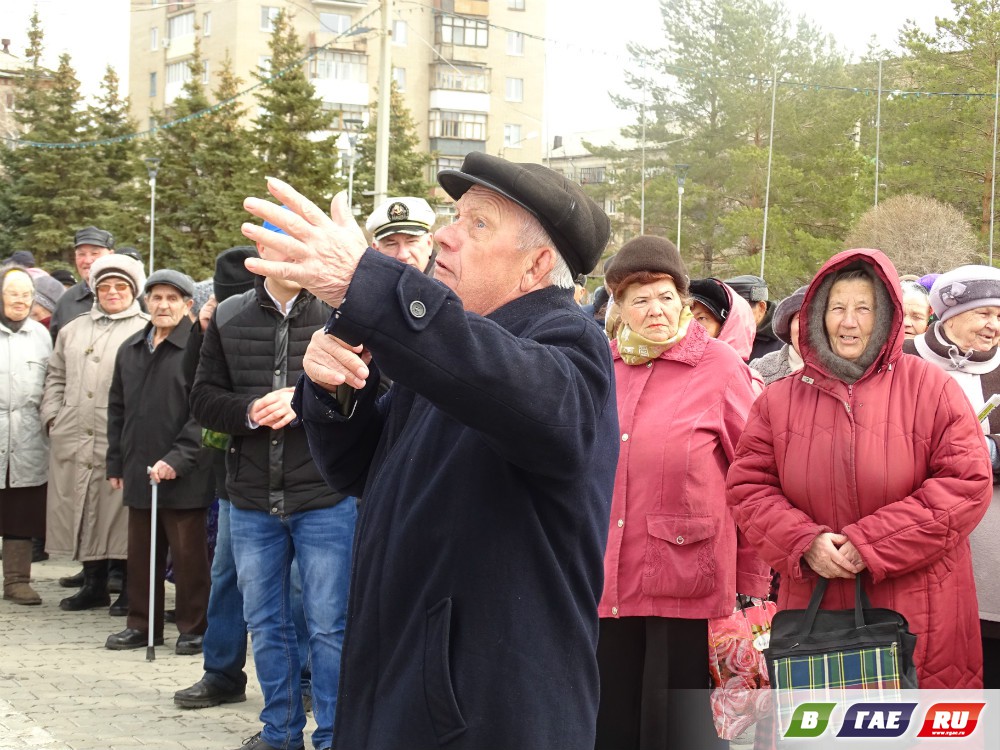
680	556
439	692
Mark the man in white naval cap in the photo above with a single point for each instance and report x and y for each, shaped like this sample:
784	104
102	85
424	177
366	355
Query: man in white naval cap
401	229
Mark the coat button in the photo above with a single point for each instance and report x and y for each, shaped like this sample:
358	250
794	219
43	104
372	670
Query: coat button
614	610
418	309
232	450
649	364
90	432
274	442
621	522
90	394
274	511
680	540
277	372
625	437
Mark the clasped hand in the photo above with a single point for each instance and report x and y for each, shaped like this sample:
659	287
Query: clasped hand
834	556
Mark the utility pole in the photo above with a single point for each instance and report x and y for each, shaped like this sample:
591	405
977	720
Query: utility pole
384	90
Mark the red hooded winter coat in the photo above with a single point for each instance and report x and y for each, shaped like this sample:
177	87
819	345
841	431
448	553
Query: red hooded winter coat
672	544
896	462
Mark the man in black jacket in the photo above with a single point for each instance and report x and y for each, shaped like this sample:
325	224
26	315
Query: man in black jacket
89	244
487	470
150	425
281	507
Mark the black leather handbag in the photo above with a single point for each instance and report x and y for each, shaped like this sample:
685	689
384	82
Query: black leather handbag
863	647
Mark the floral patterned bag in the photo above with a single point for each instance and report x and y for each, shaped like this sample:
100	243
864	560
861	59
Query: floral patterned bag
736	663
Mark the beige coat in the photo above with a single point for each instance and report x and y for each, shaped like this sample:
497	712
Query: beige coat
85	518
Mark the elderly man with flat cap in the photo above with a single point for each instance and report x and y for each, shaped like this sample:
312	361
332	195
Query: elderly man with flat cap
754	290
89	244
485	472
401	229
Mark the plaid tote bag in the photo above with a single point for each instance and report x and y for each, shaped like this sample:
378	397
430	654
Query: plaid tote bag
864	647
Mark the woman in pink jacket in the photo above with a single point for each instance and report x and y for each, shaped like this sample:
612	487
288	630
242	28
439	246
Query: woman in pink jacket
671	560
869	462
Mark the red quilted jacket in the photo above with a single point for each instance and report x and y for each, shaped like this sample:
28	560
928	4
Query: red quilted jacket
897	463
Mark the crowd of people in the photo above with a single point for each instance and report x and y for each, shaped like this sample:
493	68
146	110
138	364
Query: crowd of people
455	501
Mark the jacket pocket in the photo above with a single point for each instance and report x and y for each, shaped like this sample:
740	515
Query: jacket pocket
439	692
233	459
680	556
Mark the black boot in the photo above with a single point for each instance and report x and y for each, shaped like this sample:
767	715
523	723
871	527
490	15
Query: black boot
95	588
116	576
38	553
73	581
120	607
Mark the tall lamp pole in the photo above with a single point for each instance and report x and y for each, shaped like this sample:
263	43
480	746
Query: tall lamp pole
352	139
681	175
152	166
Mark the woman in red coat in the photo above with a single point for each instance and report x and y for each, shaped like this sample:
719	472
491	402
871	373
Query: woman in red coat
672	558
869	462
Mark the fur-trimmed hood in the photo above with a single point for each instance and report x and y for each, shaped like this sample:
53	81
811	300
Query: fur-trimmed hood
886	343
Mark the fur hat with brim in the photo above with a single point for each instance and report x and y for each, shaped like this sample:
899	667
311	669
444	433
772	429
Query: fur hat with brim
117	266
578	227
965	288
649	254
781	322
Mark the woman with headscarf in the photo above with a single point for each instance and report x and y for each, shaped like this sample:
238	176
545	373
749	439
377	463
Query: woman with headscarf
785	324
25	347
869	463
86	517
672	559
963	343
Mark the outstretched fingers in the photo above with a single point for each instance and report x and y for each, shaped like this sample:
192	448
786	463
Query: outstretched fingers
298	203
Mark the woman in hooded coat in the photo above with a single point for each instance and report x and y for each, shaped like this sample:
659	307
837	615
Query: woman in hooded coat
869	463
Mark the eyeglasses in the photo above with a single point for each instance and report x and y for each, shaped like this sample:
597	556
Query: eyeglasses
19	296
121	287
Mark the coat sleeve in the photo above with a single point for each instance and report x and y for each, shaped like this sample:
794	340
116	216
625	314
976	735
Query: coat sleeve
921	528
213	403
776	529
342	446
535	399
116	422
753	575
53	395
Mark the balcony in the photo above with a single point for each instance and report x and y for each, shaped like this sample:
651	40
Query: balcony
464	7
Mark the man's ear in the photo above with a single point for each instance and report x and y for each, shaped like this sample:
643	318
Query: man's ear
538	264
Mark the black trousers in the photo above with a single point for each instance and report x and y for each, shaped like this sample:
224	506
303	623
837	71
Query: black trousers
655	685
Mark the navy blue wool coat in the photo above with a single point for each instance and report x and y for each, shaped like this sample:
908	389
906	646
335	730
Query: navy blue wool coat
486	474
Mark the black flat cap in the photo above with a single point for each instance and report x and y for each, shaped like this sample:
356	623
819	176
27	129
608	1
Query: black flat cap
710	293
749	287
576	224
94	236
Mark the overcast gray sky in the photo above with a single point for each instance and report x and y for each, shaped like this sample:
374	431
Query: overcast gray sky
585	57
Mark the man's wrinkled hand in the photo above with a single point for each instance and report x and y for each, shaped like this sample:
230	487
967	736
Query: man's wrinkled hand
274	410
330	362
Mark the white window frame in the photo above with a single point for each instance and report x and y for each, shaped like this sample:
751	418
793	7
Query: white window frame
515	4
153	85
399	77
342	24
340	65
204	72
515	43
400	32
181	26
509	131
154	39
267	15
466	126
513	89
206	23
264	65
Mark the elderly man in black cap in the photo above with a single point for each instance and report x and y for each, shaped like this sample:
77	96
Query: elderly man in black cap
485	472
150	425
90	243
754	290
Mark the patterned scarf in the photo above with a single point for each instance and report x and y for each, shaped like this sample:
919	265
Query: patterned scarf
638	350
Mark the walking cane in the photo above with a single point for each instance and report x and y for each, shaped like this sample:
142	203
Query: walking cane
154	487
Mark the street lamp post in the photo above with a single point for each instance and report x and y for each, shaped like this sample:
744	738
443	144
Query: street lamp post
352	139
152	166
681	175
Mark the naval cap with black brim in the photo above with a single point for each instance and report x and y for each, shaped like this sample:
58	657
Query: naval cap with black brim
579	228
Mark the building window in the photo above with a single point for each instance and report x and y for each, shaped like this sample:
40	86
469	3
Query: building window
463	32
515	4
267	15
512	136
154	38
335	23
399	76
264	65
399	33
515	43
469	126
346	116
514	90
460	78
340	66
206	24
204	71
179	72
180	26
152	85
589	175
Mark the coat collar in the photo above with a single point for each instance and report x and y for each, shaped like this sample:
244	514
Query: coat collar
688	351
532	305
81	292
178	337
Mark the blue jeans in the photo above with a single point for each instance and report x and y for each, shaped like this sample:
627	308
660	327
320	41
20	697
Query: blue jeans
225	644
264	546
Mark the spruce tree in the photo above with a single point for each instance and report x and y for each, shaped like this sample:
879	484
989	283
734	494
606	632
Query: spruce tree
290	132
407	163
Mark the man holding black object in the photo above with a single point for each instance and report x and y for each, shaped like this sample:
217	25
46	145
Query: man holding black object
486	471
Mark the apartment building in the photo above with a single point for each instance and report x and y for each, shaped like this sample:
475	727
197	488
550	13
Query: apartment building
471	71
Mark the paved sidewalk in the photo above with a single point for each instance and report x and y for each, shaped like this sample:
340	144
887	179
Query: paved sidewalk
60	689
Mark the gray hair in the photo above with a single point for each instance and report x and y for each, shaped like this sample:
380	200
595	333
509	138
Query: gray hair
915	288
532	234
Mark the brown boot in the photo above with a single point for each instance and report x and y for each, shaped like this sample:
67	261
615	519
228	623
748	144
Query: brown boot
17	572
